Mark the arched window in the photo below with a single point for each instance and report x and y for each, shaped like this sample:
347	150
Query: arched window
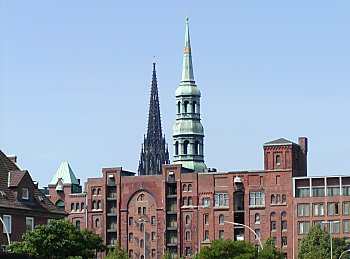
186	106
99	191
141	227
188	219
221	219
99	205
194	104
278	160
184	187
196	147
94	205
273	214
283	214
77	224
278	198
284	198
131	237
257	218
142	243
188	235
60	204
272	199
184	201
141	197
77	206
179	107
186	144
176	148
190	187
93	191
189	200
82	206
97	223
72	207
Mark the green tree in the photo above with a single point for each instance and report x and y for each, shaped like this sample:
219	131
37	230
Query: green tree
317	244
228	249
270	251
167	255
59	240
117	253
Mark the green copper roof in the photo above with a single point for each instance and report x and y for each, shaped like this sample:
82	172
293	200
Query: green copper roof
279	142
191	127
187	69
65	173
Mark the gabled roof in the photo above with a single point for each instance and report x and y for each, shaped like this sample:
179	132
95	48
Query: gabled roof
65	174
11	177
279	142
15	177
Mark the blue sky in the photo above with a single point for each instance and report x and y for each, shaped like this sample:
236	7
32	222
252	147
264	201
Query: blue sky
75	78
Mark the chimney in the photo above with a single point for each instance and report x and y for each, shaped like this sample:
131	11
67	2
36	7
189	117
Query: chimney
303	144
13	158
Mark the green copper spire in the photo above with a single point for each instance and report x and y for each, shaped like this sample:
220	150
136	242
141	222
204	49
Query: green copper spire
187	69
65	174
188	132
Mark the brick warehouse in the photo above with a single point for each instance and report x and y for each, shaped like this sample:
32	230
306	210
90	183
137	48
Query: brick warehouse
183	206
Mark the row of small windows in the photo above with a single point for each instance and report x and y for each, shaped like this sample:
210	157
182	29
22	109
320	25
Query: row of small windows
278	199
221	219
185	147
187	201
97	205
187	107
131	238
7	221
318	209
322	191
333	226
77	206
272	215
187	188
131	222
96	191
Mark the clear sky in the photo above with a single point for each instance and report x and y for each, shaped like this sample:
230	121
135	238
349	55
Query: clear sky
75	79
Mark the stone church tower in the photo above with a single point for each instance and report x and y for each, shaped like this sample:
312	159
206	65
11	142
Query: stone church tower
154	151
188	132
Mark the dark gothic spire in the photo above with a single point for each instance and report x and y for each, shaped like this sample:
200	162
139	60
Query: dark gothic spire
154	151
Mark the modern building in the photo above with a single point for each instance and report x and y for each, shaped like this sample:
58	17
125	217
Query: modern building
22	204
186	205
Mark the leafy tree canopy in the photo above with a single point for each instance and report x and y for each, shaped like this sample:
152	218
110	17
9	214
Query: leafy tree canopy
317	244
229	249
59	240
117	253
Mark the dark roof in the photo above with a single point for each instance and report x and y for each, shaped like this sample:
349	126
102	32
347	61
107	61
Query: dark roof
10	178
279	142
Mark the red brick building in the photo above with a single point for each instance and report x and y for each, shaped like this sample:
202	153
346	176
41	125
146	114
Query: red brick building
188	205
22	204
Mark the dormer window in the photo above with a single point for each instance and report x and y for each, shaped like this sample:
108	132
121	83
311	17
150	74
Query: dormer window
25	194
278	160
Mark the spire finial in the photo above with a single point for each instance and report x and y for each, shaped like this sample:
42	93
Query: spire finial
154	59
187	70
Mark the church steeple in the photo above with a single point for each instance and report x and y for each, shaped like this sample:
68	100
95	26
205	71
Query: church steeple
188	132
154	151
187	69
